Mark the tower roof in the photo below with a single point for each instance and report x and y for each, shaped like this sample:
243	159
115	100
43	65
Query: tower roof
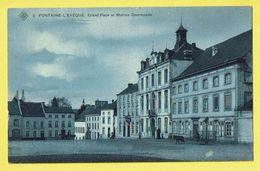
181	28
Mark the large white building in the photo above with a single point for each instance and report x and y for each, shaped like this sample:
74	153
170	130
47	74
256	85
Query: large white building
208	95
127	112
154	84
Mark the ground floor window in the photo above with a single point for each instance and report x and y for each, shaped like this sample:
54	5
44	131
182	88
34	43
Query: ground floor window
120	127
187	127
174	126
27	133
56	133
34	133
136	127
228	129
50	133
166	125
146	124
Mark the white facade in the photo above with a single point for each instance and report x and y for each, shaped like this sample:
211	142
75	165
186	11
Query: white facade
92	126
108	123
128	112
80	130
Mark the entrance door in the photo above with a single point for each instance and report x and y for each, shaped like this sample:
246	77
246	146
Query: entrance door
42	134
195	130
128	129
108	133
153	127
124	130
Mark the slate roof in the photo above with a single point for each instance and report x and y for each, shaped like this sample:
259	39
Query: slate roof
58	110
110	106
130	89
229	51
181	28
13	108
30	109
179	53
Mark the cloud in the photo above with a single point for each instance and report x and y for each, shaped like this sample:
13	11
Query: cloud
57	69
37	41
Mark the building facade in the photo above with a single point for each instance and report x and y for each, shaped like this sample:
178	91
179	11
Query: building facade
93	124
205	97
59	122
128	117
154	84
108	121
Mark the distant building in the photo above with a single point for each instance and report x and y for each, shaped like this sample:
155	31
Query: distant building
92	121
108	120
59	122
154	89
128	112
207	95
100	103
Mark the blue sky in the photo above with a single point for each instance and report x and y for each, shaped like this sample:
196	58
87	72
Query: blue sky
96	57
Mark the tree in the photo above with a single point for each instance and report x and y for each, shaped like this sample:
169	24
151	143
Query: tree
60	102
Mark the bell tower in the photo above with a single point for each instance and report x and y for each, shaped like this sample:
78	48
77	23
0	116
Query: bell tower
181	36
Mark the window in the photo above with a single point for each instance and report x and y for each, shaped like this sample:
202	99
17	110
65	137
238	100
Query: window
186	106
103	130
103	120
63	124
152	80
227	101
227	78
63	116
174	108
179	107
215	81
56	116
56	124
50	124
69	124
50	116
205	104
195	105
195	85
205	84
120	127
34	124
174	90
56	133
27	133
187	127
147	102
34	134
147	81
142	102
146	125
142	83
136	127
159	100
109	120
50	133
228	128
42	124
159	123
16	122
166	76
215	103
142	125
159	78
186	88
27	124
166	99
166	125
69	116
179	89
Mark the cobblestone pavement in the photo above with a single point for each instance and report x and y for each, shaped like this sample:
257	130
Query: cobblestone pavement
164	149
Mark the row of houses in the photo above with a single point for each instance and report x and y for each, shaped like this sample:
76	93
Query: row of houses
34	120
182	91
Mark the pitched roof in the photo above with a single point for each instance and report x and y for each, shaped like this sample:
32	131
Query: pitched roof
13	108
111	106
231	50
88	111
130	89
30	109
179	53
181	28
61	110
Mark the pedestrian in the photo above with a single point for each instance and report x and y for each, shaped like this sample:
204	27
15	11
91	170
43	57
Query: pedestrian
140	135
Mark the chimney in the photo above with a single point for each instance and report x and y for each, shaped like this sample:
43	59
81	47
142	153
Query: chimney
193	46
17	95
23	97
214	50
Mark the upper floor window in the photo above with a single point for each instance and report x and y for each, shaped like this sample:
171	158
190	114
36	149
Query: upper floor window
42	124
16	122
50	124
205	104
215	81
195	105
180	89
165	99
69	124
142	102
27	124
186	88
205	83
50	116
159	78
165	75
179	107
227	101
216	102
174	108
63	124
195	85
174	90
228	78
103	120
159	100
108	120
63	116
186	106
56	116
152	80
34	124
142	83
69	116
147	81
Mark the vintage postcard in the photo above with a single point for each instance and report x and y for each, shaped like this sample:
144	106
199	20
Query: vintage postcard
130	84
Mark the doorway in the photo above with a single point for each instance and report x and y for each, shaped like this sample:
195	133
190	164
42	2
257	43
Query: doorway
128	129
153	127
